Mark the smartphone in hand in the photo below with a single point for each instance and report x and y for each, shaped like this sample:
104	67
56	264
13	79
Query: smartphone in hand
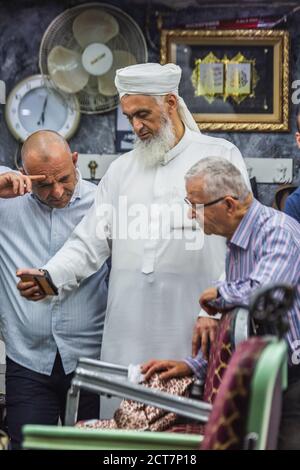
43	281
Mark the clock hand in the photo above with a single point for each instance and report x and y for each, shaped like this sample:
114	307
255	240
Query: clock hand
42	117
44	110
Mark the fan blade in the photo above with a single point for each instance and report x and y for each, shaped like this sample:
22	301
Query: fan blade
106	83
65	69
94	26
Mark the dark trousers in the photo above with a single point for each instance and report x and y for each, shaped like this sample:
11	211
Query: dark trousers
33	398
289	432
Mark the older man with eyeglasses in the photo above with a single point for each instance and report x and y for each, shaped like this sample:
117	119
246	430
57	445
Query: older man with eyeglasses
263	246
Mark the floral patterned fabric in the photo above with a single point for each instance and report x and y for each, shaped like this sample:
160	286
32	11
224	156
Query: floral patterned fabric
138	416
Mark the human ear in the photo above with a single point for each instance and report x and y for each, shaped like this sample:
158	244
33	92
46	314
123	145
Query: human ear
230	204
171	101
75	158
297	137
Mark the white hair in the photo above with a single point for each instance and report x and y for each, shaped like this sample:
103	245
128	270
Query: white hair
219	178
160	99
152	152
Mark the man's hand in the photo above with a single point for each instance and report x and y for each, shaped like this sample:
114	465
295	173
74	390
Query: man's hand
204	330
172	369
207	296
30	290
15	184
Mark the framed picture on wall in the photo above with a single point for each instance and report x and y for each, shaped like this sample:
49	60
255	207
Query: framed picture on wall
232	80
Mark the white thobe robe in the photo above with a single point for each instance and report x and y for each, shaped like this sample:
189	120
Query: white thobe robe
154	284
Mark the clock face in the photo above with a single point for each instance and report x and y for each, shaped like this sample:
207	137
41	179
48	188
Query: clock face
32	105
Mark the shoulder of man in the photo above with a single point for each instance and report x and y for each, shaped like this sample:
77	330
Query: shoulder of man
122	159
119	165
206	139
292	205
88	186
273	222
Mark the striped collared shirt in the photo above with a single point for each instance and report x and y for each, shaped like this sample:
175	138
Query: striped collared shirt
265	248
30	234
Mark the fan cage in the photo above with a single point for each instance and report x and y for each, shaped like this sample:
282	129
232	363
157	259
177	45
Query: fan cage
59	33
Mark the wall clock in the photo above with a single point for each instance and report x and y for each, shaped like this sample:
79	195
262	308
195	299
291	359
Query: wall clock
33	105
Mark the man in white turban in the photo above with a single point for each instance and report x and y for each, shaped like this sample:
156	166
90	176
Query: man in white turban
141	79
161	262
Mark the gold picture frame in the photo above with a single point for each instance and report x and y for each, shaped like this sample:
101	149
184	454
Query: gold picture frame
232	80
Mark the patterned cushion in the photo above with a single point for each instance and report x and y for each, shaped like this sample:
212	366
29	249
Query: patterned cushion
187	428
219	356
139	416
130	415
227	423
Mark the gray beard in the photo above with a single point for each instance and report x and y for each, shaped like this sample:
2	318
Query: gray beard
152	151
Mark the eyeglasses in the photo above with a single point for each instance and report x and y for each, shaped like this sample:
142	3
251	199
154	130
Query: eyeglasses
191	204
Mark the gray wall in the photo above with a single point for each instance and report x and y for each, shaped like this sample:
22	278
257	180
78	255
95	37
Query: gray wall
23	22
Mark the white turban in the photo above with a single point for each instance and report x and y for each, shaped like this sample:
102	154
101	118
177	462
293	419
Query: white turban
154	79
